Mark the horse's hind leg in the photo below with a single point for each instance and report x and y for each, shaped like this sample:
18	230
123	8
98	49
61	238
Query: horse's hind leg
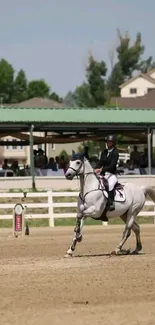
130	218
136	230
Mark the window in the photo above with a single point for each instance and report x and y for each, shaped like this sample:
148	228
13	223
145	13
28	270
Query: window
150	89
133	90
39	146
14	147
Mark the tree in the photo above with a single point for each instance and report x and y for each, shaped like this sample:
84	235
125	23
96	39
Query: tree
115	80
92	92
95	147
83	97
20	87
95	73
56	97
129	56
146	65
6	80
38	88
69	99
65	154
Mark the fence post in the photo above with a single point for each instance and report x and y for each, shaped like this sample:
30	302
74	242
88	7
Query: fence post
50	209
154	216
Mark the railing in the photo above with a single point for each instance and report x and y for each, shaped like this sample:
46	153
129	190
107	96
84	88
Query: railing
124	156
50	205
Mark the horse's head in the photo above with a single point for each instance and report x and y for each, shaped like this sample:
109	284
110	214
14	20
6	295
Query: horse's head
76	165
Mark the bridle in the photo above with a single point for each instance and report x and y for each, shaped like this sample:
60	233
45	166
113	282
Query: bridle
84	173
82	197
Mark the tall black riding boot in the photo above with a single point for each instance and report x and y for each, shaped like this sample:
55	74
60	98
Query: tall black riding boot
111	201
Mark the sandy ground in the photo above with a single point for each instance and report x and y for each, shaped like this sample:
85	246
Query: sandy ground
39	287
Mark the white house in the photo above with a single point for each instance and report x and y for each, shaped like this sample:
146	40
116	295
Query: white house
139	85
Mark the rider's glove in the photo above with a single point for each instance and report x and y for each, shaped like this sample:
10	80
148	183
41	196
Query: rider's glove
98	170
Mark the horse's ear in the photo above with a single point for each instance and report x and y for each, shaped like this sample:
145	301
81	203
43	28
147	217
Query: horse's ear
73	153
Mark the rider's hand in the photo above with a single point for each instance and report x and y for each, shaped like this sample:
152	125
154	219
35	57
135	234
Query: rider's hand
98	170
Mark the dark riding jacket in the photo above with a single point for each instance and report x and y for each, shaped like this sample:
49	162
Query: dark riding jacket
108	161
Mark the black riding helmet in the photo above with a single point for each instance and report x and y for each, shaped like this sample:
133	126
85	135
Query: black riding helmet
112	138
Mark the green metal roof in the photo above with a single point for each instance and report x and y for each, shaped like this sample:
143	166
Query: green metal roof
76	115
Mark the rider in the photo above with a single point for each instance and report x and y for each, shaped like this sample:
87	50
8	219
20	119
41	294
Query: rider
107	165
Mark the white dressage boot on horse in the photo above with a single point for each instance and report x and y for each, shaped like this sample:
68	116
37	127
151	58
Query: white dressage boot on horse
93	202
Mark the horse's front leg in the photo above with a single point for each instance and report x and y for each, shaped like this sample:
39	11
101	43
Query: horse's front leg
77	237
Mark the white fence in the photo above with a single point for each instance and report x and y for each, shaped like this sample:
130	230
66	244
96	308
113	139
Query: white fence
124	156
50	205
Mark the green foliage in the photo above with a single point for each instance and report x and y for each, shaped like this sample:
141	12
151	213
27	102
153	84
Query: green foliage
17	89
115	80
69	99
56	97
98	88
20	88
83	97
65	154
6	80
92	92
96	72
128	61
38	88
129	56
146	65
95	147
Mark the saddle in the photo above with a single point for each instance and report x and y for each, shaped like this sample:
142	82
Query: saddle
119	194
105	185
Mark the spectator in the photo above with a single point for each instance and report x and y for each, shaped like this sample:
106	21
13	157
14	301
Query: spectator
5	165
57	161
144	158
63	163
15	167
135	157
144	161
40	159
86	152
52	164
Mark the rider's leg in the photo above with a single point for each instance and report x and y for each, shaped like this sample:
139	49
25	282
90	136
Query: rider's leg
112	182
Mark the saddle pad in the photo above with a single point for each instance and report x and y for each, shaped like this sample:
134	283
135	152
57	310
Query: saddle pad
119	195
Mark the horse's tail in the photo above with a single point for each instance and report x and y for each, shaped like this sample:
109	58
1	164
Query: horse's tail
149	190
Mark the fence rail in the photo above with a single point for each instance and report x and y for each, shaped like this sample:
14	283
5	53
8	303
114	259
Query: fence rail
51	205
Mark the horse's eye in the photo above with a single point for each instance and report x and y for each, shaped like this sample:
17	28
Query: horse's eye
78	162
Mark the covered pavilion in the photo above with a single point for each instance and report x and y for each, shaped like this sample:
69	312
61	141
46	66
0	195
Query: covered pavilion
70	125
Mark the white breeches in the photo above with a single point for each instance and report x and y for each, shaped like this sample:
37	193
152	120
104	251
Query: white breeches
112	180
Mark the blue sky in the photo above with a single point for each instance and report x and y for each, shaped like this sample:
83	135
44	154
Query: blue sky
51	39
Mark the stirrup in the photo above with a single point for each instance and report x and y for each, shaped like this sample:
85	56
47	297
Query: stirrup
111	207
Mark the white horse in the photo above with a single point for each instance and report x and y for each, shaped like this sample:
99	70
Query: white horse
93	199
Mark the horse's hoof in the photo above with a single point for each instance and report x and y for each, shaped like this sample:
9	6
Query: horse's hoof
68	255
125	252
135	252
113	253
118	252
